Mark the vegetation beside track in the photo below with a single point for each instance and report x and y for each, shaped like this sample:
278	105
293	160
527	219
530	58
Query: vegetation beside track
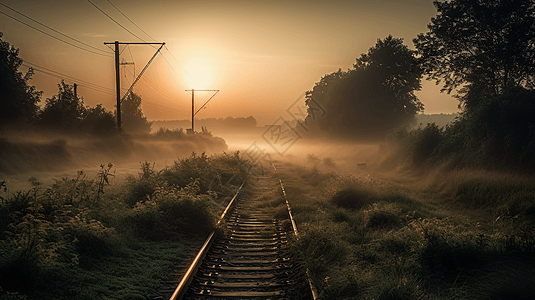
460	235
83	238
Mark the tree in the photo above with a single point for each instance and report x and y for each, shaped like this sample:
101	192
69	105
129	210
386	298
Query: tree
132	116
373	98
18	99
482	48
64	111
98	121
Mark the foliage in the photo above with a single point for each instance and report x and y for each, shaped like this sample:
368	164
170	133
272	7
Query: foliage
132	118
497	135
66	113
63	111
373	98
423	142
167	134
19	99
58	240
97	121
224	169
484	46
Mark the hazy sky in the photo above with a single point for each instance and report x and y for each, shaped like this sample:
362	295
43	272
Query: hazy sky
261	55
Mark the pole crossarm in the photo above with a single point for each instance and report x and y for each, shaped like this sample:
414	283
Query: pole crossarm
216	91
193	113
133	43
117	72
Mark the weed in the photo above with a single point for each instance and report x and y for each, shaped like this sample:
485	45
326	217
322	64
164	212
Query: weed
103	178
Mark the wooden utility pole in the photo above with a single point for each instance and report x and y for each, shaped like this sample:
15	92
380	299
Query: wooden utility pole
193	112
118	74
118	84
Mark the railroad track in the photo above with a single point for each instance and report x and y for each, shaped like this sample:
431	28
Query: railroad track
250	259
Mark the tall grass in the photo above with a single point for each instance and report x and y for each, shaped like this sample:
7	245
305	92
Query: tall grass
504	194
363	238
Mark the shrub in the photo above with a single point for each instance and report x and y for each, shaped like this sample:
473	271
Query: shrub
383	217
92	238
351	198
422	143
315	177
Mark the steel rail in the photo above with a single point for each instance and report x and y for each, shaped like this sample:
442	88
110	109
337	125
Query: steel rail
188	276
296	233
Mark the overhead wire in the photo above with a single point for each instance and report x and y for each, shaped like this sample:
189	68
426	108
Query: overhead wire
71	80
150	103
60	75
114	20
192	80
45	33
50	28
147	82
80	82
130	20
167	61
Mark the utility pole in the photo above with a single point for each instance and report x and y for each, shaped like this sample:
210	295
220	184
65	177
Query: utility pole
118	84
75	91
193	112
118	75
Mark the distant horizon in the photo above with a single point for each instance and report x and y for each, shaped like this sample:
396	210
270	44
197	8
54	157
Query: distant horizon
268	124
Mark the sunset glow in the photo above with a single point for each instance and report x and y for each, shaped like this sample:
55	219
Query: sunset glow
261	55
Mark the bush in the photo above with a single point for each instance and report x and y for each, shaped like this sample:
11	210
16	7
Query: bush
62	233
351	198
92	238
382	219
422	143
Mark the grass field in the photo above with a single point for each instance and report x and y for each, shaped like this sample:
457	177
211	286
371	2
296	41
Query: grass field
458	235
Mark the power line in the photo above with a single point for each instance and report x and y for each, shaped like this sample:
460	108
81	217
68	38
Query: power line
32	65
130	20
70	80
56	31
193	80
54	36
115	21
143	39
60	75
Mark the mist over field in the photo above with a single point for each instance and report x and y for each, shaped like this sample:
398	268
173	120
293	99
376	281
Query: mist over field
395	195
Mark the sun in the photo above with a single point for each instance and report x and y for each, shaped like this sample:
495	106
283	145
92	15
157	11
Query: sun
200	73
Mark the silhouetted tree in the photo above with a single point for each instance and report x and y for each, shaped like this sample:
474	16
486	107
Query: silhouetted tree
97	121
133	120
66	113
18	99
484	48
373	98
63	112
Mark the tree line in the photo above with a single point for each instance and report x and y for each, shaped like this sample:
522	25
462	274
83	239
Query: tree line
63	113
481	52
